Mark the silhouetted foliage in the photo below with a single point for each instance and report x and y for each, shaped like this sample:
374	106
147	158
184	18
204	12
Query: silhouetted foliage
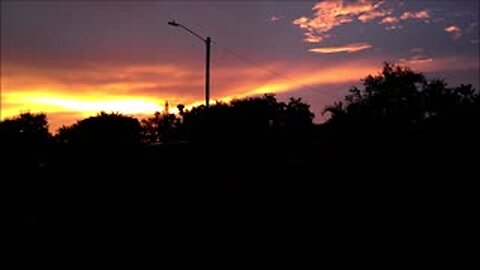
24	138
27	128
247	120
400	121
103	130
162	127
391	174
399	96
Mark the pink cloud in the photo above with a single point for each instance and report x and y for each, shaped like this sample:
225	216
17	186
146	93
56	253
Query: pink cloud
366	17
334	13
389	20
330	14
454	30
312	38
354	47
415	15
394	21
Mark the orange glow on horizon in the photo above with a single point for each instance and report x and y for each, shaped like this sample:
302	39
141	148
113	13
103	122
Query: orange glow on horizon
52	102
141	90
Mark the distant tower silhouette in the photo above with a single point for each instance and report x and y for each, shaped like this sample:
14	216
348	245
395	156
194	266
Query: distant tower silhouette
165	109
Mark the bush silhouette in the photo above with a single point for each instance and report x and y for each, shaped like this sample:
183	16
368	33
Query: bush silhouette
400	121
246	120
103	130
24	139
392	170
399	96
162	127
27	128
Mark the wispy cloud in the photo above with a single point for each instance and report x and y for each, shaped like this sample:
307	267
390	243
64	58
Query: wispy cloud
417	50
472	26
454	30
42	90
47	90
418	56
419	59
393	27
448	63
354	47
276	18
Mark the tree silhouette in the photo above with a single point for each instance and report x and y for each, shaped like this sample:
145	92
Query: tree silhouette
102	130
393	169
400	96
400	121
247	120
162	127
25	128
25	138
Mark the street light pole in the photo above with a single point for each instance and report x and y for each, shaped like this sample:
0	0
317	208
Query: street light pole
207	72
208	42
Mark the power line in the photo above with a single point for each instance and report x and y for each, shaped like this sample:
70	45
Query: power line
259	66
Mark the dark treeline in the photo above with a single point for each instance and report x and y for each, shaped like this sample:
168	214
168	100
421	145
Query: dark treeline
390	177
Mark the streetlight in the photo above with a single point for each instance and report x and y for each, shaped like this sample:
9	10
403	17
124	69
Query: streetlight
207	64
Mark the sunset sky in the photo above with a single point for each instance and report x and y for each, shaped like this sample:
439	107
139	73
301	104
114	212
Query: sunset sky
72	59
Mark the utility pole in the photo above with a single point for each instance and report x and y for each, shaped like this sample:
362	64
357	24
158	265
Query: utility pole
208	42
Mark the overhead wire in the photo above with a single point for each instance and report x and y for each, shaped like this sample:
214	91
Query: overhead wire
260	66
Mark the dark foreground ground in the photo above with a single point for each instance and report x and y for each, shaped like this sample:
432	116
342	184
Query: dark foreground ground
241	203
